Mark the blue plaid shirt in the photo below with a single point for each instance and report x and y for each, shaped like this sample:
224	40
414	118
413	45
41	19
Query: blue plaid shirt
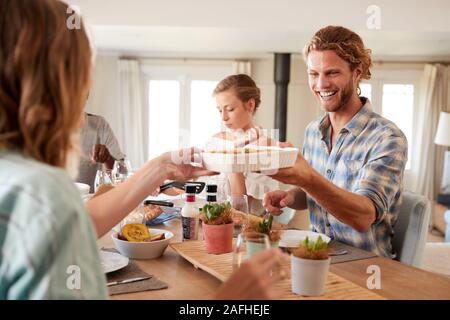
369	158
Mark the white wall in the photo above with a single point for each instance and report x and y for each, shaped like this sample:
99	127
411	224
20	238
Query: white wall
302	107
104	96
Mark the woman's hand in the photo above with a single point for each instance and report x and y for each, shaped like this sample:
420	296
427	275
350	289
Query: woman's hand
181	156
185	172
177	164
252	281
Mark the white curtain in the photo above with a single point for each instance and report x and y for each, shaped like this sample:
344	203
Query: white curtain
421	169
442	96
131	111
428	158
244	67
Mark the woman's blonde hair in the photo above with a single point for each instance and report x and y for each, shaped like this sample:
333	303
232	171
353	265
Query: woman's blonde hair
45	71
347	45
244	87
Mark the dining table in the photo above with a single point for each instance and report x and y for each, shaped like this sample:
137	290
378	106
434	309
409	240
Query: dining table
188	282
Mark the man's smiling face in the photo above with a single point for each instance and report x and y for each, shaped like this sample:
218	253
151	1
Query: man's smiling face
331	80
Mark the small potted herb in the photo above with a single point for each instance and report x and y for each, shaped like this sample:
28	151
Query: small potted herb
309	267
217	227
265	226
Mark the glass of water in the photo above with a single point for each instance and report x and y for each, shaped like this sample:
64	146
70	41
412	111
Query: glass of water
247	245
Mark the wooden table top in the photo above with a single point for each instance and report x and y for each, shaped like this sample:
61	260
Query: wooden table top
398	281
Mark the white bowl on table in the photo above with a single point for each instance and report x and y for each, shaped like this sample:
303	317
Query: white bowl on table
143	250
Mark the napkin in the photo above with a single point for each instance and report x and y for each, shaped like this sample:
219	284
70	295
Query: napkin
149	282
352	252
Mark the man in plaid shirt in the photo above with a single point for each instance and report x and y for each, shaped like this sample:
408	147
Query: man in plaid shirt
351	172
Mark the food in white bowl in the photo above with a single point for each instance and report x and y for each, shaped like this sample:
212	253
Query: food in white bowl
145	247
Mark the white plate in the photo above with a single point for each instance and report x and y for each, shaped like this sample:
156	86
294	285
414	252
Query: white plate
292	238
112	261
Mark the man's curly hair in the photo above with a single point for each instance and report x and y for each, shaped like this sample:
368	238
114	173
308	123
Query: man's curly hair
347	45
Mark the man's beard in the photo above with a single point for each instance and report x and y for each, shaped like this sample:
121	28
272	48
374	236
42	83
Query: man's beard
347	93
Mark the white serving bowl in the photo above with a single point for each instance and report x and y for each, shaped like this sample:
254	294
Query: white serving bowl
143	250
264	159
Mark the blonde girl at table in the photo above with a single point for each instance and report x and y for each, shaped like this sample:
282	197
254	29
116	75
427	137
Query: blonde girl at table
45	72
237	100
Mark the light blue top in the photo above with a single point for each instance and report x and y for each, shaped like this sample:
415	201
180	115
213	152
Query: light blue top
47	242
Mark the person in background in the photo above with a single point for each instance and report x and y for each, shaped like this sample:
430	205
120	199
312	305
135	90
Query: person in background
238	99
44	227
350	173
98	146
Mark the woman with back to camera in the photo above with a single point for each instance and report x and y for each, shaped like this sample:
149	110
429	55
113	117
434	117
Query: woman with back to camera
45	71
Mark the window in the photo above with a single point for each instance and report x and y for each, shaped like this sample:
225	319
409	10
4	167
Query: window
205	119
164	101
398	106
366	90
393	96
181	108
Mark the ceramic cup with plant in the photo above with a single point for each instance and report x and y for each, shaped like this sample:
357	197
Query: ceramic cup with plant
265	226
309	267
217	227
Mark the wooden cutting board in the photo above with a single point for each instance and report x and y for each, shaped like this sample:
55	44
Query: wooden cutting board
220	266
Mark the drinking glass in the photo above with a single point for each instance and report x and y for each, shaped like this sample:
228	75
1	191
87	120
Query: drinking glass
247	245
223	187
102	177
240	203
121	171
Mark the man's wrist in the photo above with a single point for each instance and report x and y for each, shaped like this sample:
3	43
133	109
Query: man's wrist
305	180
294	194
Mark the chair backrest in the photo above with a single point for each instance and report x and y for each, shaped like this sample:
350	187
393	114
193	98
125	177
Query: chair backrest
411	228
